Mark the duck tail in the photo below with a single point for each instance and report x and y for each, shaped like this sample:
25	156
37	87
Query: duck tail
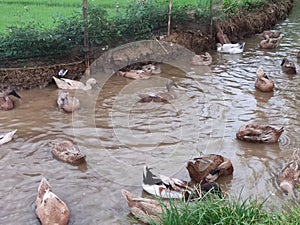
44	185
149	178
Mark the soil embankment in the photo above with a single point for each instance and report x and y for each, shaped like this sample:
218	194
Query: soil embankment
193	36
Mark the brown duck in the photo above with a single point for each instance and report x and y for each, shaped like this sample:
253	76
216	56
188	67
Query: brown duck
289	177
287	66
259	133
271	34
270	43
67	152
50	209
161	96
209	168
6	103
67	103
263	82
143	208
202	60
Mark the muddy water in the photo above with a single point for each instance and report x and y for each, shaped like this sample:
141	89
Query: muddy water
120	135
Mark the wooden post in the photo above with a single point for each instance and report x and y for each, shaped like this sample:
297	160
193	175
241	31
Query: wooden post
86	37
211	17
169	16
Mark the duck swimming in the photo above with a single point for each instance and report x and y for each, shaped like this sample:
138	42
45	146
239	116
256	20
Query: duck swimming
202	60
259	133
289	177
50	209
231	48
209	168
263	82
67	152
64	83
161	96
271	34
166	187
288	67
135	74
6	103
7	137
143	208
152	69
67	103
270	43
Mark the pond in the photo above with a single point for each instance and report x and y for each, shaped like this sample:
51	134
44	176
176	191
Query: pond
119	135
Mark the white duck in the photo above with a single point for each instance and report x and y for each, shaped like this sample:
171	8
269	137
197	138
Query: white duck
231	48
50	209
4	138
64	83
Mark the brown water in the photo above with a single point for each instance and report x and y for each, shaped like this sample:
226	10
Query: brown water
120	135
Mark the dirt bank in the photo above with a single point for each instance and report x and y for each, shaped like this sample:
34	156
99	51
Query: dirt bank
193	36
242	24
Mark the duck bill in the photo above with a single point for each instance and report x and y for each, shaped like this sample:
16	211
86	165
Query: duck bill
14	93
97	85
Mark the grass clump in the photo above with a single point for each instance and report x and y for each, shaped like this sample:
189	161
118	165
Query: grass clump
213	210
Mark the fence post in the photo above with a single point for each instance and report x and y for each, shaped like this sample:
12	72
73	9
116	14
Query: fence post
169	17
86	38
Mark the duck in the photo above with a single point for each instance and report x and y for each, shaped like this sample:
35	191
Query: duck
231	48
50	209
67	103
202	60
6	103
263	82
151	68
208	168
289	177
7	137
135	74
145	209
62	72
161	96
259	133
64	83
166	187
270	43
222	38
288	67
68	152
271	34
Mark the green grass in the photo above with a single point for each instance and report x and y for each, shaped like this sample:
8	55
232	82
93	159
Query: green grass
13	12
224	211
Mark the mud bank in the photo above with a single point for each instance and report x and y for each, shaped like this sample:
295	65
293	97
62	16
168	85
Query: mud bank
243	24
193	36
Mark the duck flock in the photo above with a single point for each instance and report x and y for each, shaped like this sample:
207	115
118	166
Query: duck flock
204	170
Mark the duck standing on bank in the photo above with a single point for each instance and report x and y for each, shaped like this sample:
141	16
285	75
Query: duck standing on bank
50	209
259	133
263	82
6	103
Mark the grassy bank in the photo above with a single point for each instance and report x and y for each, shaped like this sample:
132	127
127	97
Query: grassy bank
224	212
13	12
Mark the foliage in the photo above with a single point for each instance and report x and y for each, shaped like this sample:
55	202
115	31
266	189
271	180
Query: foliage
214	210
